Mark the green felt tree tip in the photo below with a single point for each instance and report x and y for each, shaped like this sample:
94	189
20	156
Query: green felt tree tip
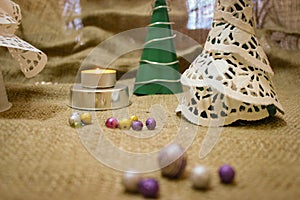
158	69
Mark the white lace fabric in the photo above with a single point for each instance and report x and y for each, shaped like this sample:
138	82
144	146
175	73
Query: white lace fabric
30	59
231	79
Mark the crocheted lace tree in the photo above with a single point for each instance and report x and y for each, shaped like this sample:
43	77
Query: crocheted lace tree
231	79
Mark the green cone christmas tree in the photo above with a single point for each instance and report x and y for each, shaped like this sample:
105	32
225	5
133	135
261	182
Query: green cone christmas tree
158	70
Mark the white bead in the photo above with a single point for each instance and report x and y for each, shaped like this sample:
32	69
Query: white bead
200	177
172	159
130	181
74	120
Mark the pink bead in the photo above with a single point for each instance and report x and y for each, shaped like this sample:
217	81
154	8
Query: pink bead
111	123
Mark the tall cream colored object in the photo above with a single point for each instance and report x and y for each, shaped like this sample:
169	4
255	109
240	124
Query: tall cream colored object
231	79
4	104
30	59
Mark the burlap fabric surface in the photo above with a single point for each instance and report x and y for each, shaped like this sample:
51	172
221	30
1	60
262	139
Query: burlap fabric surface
279	21
42	157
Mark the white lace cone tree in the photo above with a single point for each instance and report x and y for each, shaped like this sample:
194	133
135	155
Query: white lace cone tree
31	60
231	79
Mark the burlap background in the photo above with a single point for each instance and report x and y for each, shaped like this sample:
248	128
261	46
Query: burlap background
43	158
280	32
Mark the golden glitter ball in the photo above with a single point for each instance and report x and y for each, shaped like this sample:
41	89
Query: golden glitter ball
134	118
86	118
125	124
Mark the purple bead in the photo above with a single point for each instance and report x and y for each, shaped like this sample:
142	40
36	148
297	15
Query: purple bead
226	173
137	125
111	123
151	123
149	187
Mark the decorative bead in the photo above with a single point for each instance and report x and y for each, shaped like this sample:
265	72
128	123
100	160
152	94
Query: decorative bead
200	177
137	125
151	123
77	125
75	121
134	118
172	159
111	123
125	124
226	173
149	187
130	181
86	118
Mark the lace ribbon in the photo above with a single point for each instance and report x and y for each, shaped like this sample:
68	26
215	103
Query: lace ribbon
30	59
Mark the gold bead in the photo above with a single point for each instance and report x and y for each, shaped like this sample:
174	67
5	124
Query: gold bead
134	118
125	124
86	118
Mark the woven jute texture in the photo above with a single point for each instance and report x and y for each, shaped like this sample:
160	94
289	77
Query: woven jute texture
280	15
42	157
280	22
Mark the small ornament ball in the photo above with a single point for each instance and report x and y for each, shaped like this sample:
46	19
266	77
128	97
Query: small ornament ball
149	187
134	118
130	181
112	123
173	160
151	123
226	173
200	177
125	124
86	118
74	120
137	125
